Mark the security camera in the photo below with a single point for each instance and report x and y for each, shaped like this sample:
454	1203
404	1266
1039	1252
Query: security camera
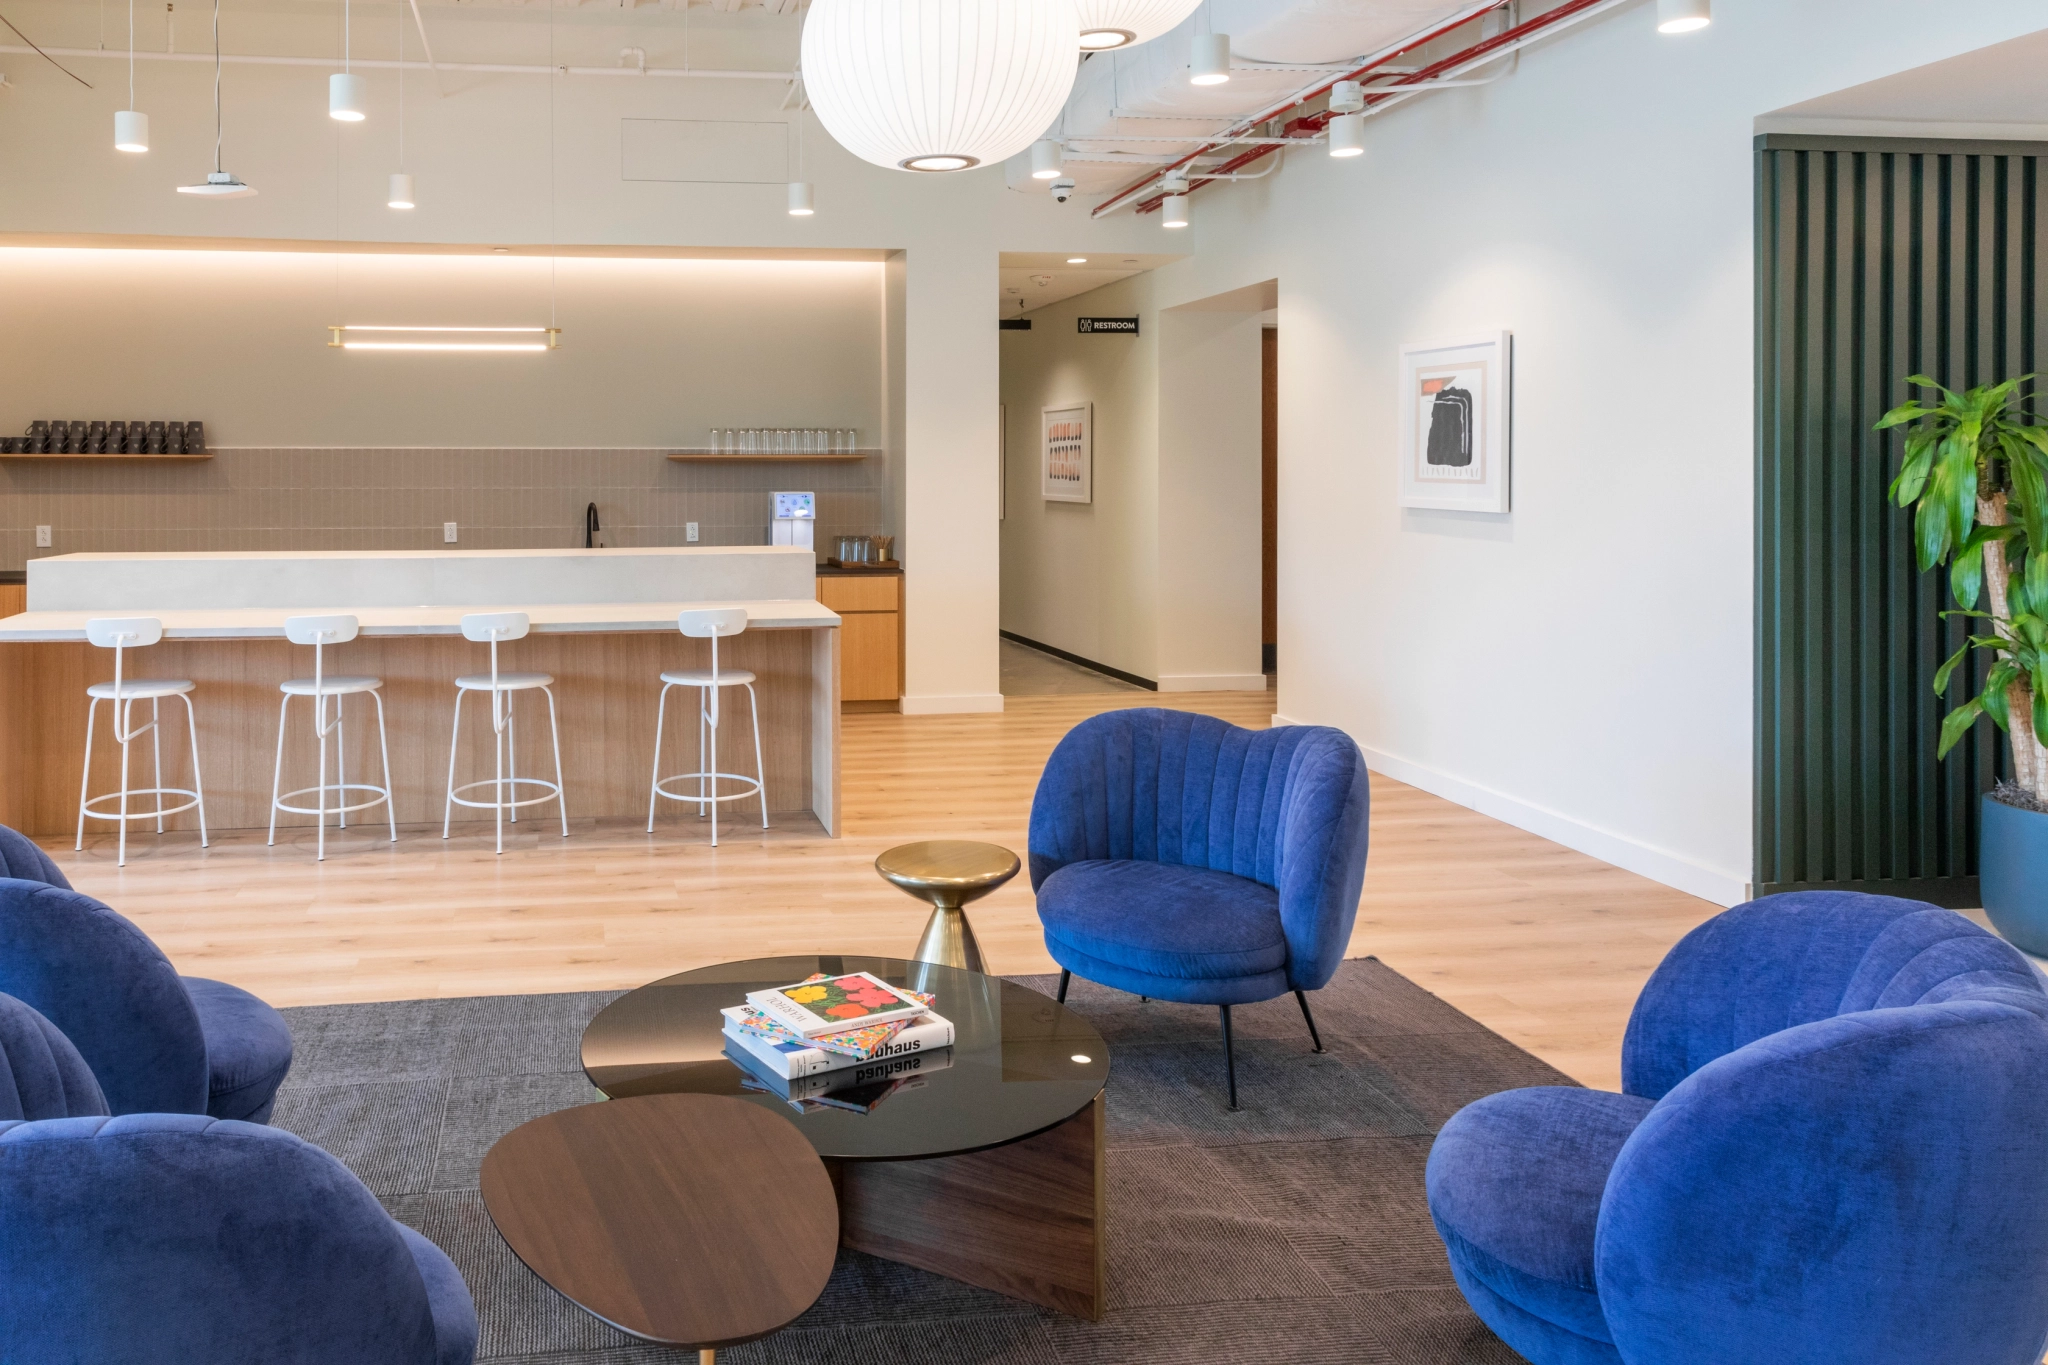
1062	190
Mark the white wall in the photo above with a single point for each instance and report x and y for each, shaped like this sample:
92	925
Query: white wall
1084	577
1209	500
653	353
521	160
1581	666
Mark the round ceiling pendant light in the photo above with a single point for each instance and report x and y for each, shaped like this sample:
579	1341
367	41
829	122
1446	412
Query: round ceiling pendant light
131	127
345	98
1347	135
218	184
801	202
1174	213
1110	24
1210	64
1048	158
1684	16
938	85
401	191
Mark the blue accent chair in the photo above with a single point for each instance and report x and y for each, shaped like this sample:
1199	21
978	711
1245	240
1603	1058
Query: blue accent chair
1832	1147
21	857
158	1043
1179	856
41	1074
178	1239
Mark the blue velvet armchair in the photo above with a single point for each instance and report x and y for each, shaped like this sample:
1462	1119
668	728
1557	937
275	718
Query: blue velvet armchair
21	857
1178	856
177	1239
1830	1148
41	1074
157	1042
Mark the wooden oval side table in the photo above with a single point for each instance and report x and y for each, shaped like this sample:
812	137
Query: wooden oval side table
697	1221
948	873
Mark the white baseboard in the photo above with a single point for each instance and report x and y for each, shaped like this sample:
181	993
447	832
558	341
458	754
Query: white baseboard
1212	682
1279	720
962	704
1660	865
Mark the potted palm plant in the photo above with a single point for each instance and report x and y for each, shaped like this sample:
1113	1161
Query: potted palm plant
1975	473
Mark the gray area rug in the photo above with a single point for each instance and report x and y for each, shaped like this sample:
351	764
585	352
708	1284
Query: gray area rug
1291	1231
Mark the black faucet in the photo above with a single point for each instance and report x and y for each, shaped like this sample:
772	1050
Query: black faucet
590	527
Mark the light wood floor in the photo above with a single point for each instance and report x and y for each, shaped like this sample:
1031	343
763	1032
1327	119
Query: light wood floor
1544	945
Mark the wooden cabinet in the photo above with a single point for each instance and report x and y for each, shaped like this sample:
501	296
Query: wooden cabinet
870	607
13	599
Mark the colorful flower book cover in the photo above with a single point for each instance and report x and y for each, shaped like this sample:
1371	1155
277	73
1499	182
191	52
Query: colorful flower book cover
835	1003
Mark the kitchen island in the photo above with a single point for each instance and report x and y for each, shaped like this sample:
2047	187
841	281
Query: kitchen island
604	623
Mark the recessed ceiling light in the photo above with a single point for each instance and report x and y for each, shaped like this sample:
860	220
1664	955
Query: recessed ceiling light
1077	260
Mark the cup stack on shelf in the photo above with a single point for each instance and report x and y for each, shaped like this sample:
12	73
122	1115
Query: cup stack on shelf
107	438
784	441
836	1042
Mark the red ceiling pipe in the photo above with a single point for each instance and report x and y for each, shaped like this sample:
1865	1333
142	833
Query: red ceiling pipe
1310	124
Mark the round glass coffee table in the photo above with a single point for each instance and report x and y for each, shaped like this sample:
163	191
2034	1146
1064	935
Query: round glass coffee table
985	1165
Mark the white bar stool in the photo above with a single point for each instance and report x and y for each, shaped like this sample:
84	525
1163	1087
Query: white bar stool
492	627
320	632
701	625
120	634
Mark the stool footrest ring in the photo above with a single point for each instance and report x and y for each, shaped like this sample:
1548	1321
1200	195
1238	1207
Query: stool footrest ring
133	792
284	802
549	791
752	787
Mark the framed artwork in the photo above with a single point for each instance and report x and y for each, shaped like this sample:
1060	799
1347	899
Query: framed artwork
1457	405
1067	468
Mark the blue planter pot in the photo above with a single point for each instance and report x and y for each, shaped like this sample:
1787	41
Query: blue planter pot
2012	870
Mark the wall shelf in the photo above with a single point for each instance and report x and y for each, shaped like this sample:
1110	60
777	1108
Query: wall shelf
762	457
53	455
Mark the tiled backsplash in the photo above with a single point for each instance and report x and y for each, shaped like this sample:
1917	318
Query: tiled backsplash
392	499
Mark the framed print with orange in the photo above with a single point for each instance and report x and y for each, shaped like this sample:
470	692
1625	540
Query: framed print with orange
1457	414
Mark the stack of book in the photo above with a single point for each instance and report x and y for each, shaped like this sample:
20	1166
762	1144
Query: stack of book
843	1042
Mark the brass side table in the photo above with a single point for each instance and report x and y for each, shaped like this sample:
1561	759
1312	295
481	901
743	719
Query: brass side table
949	873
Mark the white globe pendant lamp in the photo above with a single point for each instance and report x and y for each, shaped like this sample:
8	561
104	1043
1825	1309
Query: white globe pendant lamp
218	183
938	85
1110	24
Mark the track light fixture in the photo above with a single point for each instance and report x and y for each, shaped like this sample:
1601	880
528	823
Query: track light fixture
1047	158
1210	64
1684	16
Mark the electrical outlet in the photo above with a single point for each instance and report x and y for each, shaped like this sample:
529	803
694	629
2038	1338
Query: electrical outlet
447	533
43	537
689	533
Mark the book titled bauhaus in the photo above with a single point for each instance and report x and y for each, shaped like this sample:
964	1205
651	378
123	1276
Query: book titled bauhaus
831	1004
789	1059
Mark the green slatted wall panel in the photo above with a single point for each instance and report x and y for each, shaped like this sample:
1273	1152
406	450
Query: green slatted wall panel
1875	259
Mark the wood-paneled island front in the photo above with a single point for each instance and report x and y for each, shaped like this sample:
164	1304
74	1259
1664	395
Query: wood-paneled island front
604	623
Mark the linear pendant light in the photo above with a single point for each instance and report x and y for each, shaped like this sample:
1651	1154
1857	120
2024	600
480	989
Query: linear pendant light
131	128
218	184
356	337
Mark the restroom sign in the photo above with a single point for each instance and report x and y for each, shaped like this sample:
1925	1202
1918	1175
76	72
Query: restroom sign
1126	326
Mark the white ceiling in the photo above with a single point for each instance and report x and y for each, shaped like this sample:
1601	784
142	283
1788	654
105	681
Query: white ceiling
1996	91
1035	278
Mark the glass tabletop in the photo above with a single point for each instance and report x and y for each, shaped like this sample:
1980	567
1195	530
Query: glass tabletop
1020	1063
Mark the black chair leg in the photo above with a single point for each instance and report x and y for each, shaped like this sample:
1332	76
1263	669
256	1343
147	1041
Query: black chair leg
1229	1057
1317	1038
1065	977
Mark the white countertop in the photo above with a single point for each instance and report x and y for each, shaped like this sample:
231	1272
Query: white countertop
650	580
558	618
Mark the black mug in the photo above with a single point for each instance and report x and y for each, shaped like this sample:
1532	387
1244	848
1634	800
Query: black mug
195	438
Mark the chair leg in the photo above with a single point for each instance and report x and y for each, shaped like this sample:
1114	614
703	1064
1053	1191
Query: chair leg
124	723
320	733
448	809
277	768
1229	1057
156	749
512	756
198	786
1065	977
654	783
85	781
384	746
340	763
760	770
555	736
498	773
1314	1036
